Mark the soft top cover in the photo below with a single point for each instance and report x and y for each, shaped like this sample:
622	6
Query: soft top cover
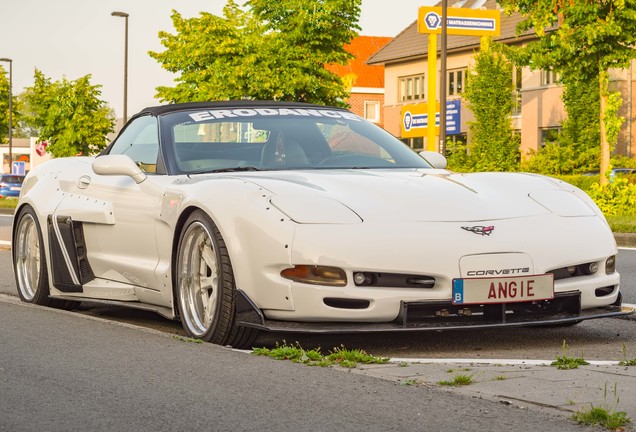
163	109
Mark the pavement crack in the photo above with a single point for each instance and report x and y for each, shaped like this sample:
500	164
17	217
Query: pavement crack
540	404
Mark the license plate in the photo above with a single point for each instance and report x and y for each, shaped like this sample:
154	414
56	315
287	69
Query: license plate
15	188
503	289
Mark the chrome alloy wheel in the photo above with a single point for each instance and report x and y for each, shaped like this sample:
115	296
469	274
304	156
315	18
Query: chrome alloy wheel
198	279
28	256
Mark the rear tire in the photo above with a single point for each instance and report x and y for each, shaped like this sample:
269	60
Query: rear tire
205	287
29	262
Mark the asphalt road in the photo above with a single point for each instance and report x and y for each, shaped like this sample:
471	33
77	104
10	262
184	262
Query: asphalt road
61	371
5	227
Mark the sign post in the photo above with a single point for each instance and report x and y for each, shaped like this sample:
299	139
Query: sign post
432	71
458	21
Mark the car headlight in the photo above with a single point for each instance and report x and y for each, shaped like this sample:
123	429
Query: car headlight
316	275
562	203
314	210
610	264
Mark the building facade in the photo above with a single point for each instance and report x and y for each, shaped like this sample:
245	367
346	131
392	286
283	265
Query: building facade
366	82
539	110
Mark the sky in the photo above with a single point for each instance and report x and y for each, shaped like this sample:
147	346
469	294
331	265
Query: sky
73	38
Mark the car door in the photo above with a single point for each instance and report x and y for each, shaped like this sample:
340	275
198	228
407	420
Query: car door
118	216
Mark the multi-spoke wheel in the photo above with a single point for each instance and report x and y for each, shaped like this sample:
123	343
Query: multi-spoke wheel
28	259
29	262
205	285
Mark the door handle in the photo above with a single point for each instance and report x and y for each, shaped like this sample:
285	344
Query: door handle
84	182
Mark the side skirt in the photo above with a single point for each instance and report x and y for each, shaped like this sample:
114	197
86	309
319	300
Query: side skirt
163	311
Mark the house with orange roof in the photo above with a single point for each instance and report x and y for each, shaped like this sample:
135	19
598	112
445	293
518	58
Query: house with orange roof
366	82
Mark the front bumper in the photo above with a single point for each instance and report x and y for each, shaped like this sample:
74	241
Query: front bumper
564	309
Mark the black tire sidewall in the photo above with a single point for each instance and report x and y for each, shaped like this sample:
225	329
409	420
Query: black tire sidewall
41	295
222	323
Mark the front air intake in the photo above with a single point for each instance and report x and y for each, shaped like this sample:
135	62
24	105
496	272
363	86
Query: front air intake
342	303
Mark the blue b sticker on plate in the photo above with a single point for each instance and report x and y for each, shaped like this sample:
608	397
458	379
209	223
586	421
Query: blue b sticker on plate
458	291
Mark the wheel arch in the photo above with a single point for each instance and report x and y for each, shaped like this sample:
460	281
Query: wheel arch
258	239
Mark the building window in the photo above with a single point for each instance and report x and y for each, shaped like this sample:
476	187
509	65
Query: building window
372	111
455	143
549	135
416	143
549	77
411	88
516	82
455	82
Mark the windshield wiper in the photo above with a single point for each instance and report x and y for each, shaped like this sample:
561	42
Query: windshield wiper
232	169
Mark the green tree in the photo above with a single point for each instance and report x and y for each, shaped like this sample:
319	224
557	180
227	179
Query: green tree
4	108
575	149
585	39
271	50
69	114
581	128
489	95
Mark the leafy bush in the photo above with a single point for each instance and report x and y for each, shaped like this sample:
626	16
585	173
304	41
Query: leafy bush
618	197
584	182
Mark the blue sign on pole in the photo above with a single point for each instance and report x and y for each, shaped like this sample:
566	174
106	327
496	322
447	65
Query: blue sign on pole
453	117
420	121
18	167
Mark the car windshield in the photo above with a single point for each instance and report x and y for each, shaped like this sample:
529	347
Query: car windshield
258	139
15	179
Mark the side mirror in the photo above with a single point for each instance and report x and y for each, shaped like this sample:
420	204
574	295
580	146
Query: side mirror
118	165
437	160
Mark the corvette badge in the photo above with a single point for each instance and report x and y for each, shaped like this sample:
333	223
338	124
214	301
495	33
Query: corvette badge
481	230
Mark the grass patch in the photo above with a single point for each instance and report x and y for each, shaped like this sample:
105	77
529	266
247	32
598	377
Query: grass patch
566	361
622	223
500	378
606	417
458	380
597	416
9	203
338	356
626	361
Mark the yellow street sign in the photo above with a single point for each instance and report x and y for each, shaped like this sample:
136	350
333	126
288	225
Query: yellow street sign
415	121
459	21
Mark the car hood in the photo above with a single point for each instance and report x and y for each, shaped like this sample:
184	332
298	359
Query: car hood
417	195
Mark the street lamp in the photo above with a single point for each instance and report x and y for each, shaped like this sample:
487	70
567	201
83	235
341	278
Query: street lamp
125	15
10	109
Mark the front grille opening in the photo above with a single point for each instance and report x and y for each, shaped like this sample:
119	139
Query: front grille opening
444	314
342	303
78	233
85	269
604	291
393	280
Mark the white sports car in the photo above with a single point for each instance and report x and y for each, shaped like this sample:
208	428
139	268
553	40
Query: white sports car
237	217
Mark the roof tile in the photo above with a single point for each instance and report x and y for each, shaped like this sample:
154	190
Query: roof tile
410	44
365	75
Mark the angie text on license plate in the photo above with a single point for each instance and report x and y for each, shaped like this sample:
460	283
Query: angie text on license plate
503	290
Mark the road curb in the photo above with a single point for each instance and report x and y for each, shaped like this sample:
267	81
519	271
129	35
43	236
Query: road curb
625	239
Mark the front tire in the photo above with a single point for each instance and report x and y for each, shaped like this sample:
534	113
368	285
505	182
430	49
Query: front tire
205	285
29	262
